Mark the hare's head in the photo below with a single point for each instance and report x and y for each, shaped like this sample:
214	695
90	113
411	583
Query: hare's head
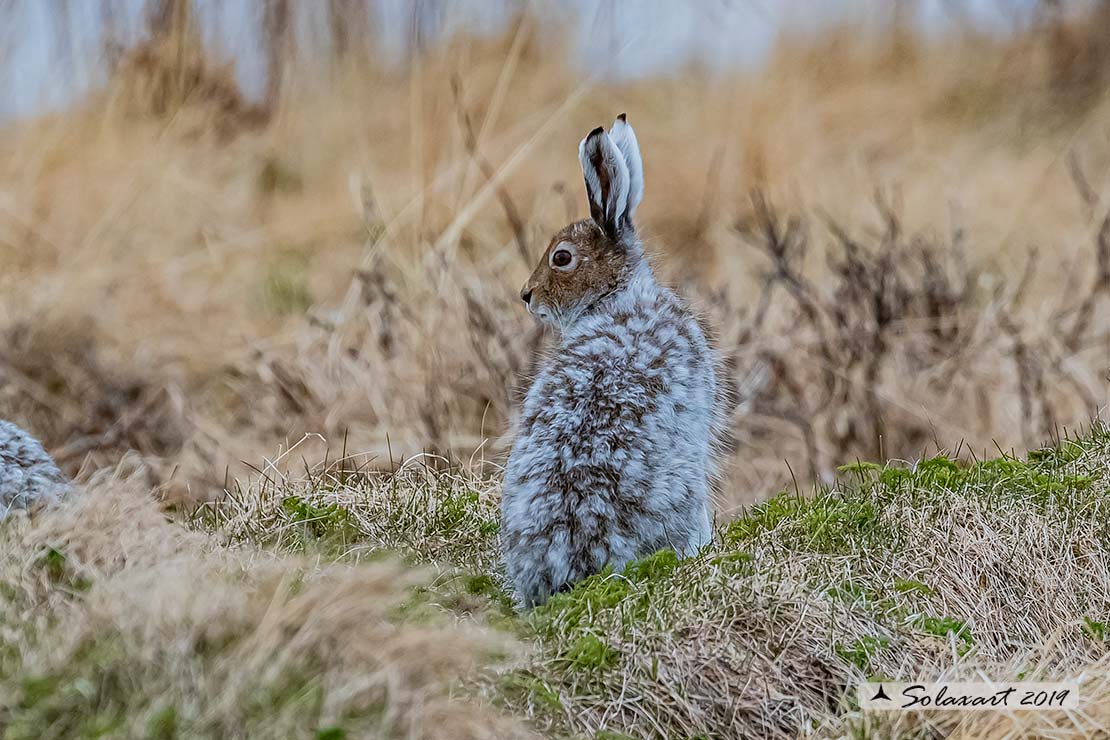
592	258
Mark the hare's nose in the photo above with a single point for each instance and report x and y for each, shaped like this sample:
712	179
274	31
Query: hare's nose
526	295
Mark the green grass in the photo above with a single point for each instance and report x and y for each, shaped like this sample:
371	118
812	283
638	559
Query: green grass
861	549
891	571
106	686
863	564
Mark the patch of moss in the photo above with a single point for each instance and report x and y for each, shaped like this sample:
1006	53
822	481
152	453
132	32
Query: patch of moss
630	591
945	626
483	585
658	565
860	469
833	522
860	652
322	525
764	517
908	586
1040	479
589	652
1094	629
843	525
453	511
577	607
1066	452
443	521
1039	484
524	688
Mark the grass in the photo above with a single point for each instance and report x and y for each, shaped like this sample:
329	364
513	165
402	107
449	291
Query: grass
117	622
901	572
190	283
355	603
347	265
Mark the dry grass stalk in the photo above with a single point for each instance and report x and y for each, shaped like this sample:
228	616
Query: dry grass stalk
230	276
933	570
115	618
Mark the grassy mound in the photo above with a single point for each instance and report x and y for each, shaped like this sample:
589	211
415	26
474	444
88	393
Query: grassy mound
118	623
996	568
280	612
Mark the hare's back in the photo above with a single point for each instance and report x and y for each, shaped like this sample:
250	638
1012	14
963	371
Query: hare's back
27	472
626	373
667	347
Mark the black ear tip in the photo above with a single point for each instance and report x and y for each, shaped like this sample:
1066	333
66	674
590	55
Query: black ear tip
596	132
623	118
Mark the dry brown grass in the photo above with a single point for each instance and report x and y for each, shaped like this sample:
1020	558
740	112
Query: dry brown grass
188	282
182	282
117	622
989	571
903	577
276	615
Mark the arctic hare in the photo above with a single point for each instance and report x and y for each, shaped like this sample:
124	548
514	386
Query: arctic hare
28	476
613	454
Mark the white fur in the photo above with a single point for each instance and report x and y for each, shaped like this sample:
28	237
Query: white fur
615	443
28	476
625	138
613	203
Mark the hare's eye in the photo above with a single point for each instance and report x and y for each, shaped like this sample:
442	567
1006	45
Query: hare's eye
562	258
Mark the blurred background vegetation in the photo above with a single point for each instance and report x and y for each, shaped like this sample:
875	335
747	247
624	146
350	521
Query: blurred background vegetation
232	229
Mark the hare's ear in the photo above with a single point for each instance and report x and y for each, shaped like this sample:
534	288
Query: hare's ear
606	176
625	138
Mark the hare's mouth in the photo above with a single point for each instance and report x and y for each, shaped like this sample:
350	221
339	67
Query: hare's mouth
542	312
